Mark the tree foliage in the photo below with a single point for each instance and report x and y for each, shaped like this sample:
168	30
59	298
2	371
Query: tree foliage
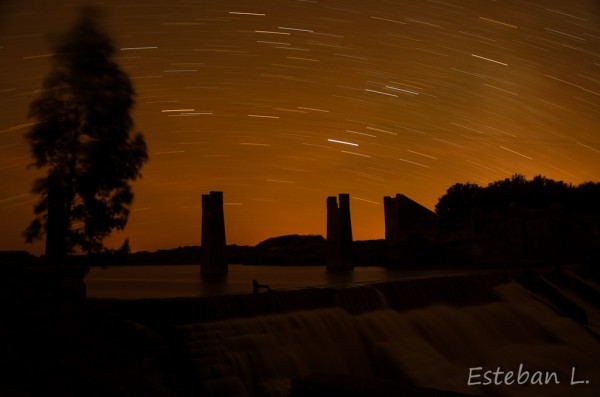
83	140
455	206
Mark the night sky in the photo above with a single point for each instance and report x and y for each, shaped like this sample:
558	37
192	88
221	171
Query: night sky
281	103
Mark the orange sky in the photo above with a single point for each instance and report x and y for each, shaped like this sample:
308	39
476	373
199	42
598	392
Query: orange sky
280	104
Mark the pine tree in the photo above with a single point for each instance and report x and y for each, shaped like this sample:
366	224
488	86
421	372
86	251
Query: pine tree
83	140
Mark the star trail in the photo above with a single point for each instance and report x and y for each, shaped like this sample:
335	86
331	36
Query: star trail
280	103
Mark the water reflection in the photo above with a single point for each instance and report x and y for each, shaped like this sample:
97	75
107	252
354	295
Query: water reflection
167	281
214	285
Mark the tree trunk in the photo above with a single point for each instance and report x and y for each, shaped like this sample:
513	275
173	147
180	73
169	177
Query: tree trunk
56	227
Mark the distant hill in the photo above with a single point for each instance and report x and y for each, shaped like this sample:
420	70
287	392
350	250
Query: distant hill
282	251
289	251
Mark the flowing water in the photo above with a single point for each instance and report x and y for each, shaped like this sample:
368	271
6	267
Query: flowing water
434	346
370	323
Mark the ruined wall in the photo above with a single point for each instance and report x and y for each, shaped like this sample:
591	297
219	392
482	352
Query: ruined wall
410	231
405	219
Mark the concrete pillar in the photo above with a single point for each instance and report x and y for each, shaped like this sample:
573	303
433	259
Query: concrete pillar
213	261
345	231
334	258
339	233
205	237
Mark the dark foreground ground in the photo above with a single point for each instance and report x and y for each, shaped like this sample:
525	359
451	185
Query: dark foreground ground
55	342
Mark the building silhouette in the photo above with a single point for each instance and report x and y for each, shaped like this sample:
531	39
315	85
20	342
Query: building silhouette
213	261
411	230
339	233
406	219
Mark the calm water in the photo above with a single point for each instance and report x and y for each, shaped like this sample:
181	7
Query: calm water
166	281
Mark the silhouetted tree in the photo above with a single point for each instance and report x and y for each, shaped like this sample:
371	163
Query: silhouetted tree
587	198
83	139
125	249
455	206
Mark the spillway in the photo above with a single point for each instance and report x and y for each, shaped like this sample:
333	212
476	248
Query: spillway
426	336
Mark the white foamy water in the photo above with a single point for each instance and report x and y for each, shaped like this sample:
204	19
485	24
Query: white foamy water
400	331
433	346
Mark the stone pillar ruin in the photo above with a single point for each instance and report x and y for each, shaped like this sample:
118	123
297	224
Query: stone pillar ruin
213	261
339	233
333	233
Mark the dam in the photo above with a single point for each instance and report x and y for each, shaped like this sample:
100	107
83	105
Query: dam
426	336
